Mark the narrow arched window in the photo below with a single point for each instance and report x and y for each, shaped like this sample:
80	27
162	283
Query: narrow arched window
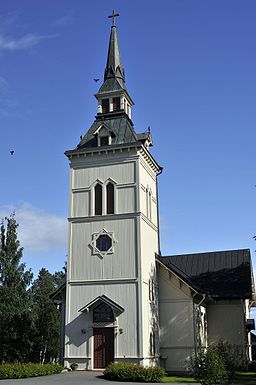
98	199
150	205
110	198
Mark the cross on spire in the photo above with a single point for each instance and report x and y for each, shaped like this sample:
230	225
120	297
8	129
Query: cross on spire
113	18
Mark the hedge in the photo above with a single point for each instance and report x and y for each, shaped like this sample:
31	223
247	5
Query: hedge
28	370
133	373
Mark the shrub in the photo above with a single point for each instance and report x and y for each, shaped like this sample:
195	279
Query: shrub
28	370
209	367
224	354
233	358
123	371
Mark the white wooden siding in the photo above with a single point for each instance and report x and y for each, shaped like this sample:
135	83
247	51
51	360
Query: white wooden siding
126	199
148	183
121	173
81	204
226	321
176	321
122	263
125	295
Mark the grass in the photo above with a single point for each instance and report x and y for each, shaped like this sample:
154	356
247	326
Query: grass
241	378
179	380
245	378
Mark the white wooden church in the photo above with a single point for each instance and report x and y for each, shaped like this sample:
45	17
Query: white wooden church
122	300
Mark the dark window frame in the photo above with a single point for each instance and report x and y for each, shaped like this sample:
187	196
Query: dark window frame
104	140
105	106
110	191
103	313
98	199
116	104
104	242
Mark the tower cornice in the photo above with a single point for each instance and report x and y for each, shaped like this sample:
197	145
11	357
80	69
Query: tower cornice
114	149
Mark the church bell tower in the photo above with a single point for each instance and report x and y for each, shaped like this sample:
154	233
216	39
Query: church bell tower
111	297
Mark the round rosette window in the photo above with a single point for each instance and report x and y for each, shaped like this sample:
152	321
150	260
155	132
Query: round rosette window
102	243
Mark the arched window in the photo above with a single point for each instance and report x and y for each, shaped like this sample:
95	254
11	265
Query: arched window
98	199
149	203
103	313
110	198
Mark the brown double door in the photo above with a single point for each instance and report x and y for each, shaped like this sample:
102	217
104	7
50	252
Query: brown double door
103	346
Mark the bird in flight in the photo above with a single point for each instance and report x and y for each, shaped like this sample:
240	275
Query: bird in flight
96	80
12	152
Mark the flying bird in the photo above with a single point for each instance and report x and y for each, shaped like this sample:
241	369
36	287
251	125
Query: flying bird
12	152
96	80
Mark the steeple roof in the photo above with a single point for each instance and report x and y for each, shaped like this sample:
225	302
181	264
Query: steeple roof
114	79
114	66
117	123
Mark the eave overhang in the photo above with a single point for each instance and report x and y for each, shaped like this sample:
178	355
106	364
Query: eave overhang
193	289
117	309
89	151
59	292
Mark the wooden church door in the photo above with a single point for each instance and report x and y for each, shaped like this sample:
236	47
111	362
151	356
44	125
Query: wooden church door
103	347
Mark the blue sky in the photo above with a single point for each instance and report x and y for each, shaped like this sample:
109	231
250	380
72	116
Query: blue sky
190	68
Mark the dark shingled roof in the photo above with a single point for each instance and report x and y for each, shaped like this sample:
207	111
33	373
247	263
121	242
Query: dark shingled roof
121	130
112	84
114	67
220	274
119	126
114	79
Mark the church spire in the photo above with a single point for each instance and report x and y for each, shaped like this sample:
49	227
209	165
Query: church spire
114	67
113	95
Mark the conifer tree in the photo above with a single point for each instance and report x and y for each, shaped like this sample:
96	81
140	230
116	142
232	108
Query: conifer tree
46	318
15	299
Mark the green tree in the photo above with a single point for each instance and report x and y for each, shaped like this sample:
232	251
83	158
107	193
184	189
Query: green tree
60	276
46	318
15	303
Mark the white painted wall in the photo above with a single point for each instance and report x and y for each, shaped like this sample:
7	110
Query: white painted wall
177	339
122	173
226	321
79	345
85	265
119	275
148	249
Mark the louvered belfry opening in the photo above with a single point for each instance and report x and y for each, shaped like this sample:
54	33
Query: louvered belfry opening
116	104
105	106
104	141
98	199
110	198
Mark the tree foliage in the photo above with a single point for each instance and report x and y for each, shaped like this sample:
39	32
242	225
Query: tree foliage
15	304
46	318
29	321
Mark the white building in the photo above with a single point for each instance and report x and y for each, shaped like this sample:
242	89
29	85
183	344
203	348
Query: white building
124	302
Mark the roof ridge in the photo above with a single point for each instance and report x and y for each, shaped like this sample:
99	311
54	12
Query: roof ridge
206	252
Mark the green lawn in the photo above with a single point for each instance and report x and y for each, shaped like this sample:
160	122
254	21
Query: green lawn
248	378
181	380
240	379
